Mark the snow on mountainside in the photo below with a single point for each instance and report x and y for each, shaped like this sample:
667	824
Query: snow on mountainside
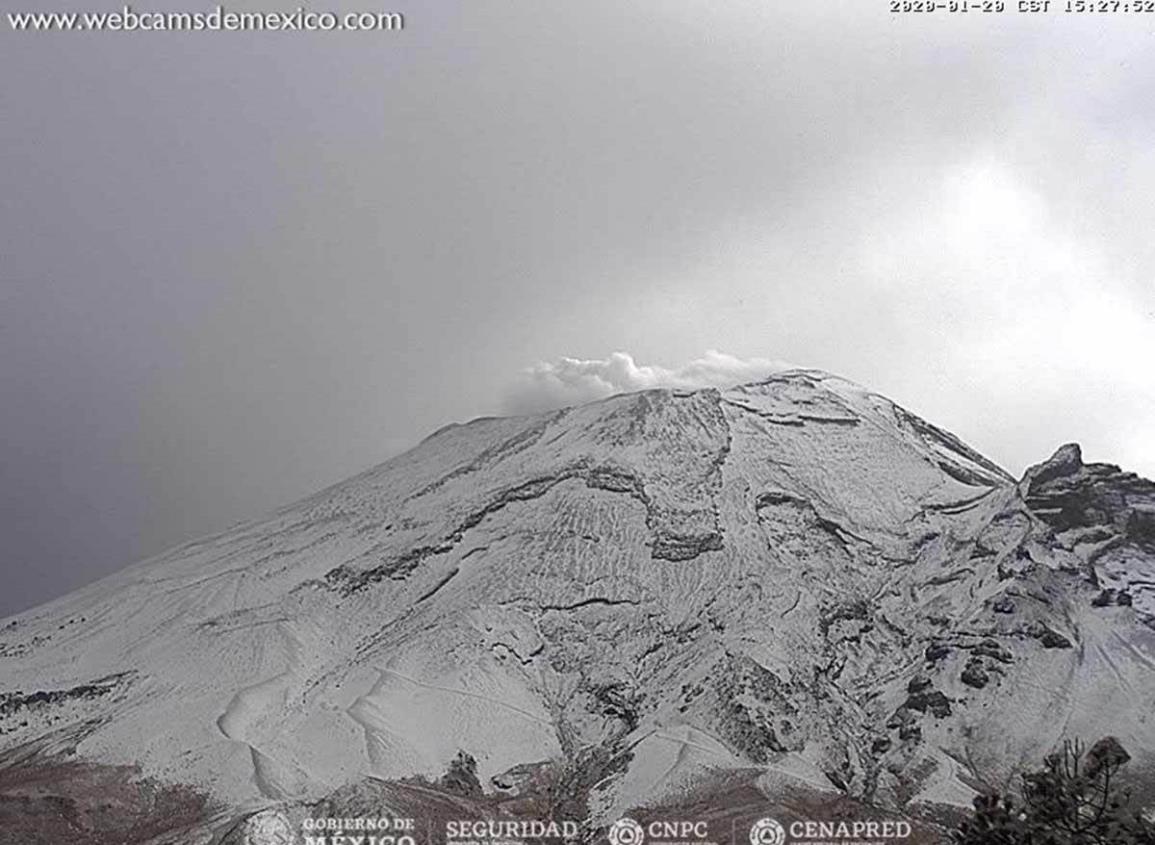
796	581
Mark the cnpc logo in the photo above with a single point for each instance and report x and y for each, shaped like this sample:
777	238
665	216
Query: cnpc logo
626	831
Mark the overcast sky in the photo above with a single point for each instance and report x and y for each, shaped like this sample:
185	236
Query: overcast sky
235	268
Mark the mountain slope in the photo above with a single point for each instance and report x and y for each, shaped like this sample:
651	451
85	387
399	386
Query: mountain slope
794	578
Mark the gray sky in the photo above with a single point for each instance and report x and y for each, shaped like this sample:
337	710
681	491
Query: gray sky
237	267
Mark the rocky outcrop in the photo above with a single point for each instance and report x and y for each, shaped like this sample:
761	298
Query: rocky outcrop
1105	517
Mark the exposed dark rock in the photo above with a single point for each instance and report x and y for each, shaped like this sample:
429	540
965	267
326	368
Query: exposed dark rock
975	674
910	733
756	708
780	497
515	778
837	779
1140	528
348	579
1067	494
1109	752
991	648
680	547
1049	637
1067	460
936	651
614	699
15	701
1003	604
858	610
1111	596
932	701
461	777
616	481
918	683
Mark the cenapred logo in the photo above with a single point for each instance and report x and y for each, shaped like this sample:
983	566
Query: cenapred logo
269	827
626	831
767	832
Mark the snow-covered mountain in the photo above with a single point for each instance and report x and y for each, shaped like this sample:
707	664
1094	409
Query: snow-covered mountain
792	584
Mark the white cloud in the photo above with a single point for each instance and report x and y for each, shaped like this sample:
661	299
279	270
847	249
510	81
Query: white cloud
571	381
1026	328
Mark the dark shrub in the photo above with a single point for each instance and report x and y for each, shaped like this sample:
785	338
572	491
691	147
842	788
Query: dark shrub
1075	799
